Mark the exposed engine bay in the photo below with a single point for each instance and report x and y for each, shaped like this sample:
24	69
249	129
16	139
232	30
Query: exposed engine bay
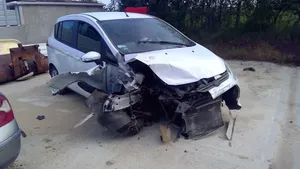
127	97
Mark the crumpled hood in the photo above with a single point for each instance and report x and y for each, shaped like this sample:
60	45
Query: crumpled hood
181	65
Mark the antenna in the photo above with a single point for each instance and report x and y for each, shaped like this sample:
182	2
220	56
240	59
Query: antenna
126	14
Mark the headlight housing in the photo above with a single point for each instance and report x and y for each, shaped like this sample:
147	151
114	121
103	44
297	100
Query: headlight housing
229	70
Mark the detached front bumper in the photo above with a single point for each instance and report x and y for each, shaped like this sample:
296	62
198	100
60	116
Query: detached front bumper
229	90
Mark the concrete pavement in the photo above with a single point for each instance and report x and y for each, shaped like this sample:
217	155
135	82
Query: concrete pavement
267	133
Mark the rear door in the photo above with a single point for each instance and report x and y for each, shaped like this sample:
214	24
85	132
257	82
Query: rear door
62	45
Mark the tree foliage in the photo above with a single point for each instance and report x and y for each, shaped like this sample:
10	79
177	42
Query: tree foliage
228	19
74	1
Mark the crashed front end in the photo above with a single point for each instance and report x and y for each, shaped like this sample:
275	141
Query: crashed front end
132	95
199	104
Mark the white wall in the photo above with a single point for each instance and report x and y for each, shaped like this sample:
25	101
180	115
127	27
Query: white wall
38	19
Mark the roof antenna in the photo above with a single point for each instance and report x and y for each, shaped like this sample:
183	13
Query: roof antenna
126	14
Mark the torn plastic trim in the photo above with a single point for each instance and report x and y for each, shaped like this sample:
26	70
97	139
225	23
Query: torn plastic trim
62	81
223	87
231	98
130	85
119	102
107	78
110	79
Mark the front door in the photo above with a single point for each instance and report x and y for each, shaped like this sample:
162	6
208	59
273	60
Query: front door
88	39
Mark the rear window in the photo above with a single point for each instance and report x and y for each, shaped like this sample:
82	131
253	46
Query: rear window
57	33
63	31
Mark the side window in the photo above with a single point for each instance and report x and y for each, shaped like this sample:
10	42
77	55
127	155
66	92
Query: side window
88	39
57	31
67	28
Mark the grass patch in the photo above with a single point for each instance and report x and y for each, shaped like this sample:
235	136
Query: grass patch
254	51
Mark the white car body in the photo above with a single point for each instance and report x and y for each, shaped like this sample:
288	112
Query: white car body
174	66
134	68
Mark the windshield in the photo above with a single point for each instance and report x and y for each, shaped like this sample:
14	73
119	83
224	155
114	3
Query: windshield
142	35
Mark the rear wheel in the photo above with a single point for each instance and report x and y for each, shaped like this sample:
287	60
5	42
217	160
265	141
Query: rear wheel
53	72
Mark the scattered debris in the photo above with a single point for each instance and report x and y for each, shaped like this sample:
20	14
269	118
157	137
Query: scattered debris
16	166
100	144
166	149
178	134
138	138
23	134
267	71
47	147
110	163
243	157
165	133
84	120
148	123
291	121
270	166
40	117
249	69
25	77
230	128
47	140
185	151
229	144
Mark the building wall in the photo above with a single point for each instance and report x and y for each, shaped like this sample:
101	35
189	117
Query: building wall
37	21
13	32
7	17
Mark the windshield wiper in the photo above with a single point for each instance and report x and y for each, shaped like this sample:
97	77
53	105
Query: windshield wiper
163	42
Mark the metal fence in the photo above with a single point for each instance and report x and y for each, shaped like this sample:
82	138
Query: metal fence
8	17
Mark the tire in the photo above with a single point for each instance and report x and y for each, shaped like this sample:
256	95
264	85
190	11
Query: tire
54	72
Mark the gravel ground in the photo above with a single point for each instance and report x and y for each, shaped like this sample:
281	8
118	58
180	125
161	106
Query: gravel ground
267	133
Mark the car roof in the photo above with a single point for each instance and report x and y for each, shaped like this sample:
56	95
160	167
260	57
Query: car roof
116	15
103	16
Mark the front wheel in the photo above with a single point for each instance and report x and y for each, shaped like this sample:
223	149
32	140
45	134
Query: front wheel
53	72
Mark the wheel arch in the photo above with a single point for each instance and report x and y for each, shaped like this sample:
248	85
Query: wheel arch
51	66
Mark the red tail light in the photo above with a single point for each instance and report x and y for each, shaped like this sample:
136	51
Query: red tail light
6	113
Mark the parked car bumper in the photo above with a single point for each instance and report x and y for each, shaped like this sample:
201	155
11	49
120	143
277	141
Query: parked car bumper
10	149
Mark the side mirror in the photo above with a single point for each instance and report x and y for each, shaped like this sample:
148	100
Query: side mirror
90	56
